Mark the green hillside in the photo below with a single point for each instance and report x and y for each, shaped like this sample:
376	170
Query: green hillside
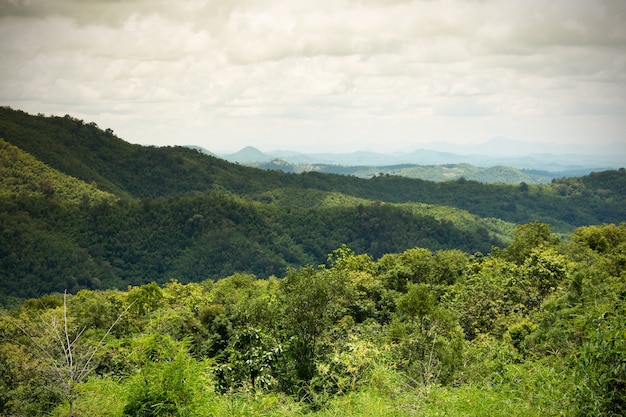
84	151
23	176
160	282
447	172
81	208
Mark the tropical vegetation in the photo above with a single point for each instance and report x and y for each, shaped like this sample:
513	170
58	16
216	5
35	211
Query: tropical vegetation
144	281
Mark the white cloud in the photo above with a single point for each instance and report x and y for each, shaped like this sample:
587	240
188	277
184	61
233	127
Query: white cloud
273	73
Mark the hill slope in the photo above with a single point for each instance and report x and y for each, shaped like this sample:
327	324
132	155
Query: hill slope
189	216
25	176
494	174
84	151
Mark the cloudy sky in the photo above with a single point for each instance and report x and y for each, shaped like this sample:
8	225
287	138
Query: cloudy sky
331	75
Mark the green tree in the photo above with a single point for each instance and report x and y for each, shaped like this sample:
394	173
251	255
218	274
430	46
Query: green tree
601	367
418	302
254	362
491	298
527	237
429	349
312	300
545	270
450	265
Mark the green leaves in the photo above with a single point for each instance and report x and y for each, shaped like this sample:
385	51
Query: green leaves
312	300
412	328
418	302
254	362
601	368
168	382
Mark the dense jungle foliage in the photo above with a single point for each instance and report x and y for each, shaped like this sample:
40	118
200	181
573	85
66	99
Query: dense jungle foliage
82	209
60	233
535	328
143	281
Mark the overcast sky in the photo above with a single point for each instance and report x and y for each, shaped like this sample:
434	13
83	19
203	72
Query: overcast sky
335	75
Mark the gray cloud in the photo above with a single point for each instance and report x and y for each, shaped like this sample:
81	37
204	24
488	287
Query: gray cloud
195	69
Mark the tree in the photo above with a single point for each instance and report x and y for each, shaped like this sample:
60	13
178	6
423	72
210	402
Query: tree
490	297
527	237
545	269
418	302
312	299
601	366
64	349
449	266
253	362
428	349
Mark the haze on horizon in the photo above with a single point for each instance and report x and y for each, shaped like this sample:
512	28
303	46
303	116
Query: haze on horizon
332	76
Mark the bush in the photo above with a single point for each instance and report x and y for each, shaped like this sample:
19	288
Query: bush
601	371
167	384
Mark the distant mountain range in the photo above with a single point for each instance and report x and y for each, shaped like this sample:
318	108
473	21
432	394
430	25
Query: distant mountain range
495	161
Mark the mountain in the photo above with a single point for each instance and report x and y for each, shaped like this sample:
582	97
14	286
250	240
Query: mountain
201	150
553	161
82	208
247	155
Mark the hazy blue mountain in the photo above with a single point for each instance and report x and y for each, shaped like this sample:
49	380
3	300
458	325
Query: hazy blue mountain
494	161
247	155
557	159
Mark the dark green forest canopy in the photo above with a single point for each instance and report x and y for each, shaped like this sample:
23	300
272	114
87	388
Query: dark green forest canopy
48	246
81	208
84	151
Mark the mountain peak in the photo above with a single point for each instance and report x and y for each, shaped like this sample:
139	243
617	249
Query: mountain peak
247	155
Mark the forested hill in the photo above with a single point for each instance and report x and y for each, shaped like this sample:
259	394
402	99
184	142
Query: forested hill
82	208
84	151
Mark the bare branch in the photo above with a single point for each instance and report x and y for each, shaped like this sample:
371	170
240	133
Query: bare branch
84	369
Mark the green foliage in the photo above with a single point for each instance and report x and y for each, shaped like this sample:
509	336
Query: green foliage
418	302
180	214
55	247
527	237
601	238
145	299
545	270
21	175
168	383
602	375
430	350
25	385
537	329
601	365
312	299
253	362
493	296
497	174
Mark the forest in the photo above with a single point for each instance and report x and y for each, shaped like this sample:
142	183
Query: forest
535	328
82	209
144	281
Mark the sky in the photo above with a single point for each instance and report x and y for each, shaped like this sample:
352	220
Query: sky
324	75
